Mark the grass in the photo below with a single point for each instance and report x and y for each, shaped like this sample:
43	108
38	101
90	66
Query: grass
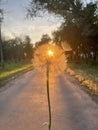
86	74
12	69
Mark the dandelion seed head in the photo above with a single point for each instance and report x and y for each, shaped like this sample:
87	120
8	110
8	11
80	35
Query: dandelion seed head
52	53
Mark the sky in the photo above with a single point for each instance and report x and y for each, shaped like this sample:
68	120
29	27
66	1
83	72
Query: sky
15	22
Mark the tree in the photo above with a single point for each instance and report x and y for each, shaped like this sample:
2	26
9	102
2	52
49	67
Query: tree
28	48
17	49
81	32
44	39
13	49
80	26
58	7
1	48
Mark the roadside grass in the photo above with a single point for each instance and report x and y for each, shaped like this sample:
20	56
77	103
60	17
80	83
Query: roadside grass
87	75
12	70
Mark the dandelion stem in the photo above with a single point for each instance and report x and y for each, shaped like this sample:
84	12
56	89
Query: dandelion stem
48	95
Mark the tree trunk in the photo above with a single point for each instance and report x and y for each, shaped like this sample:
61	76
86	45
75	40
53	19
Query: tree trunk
1	50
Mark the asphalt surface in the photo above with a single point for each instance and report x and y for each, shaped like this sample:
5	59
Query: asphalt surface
23	104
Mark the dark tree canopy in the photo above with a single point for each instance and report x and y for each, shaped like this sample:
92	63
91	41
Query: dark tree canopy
80	26
44	40
58	7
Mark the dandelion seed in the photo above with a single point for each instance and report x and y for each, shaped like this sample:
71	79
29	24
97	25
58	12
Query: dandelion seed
45	123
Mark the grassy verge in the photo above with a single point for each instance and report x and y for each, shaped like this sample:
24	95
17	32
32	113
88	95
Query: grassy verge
87	75
13	69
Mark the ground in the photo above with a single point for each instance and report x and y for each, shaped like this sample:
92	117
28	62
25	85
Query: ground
23	104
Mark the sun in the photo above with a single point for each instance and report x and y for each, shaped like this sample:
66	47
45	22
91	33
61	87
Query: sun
50	53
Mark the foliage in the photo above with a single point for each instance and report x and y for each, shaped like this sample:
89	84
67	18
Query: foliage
17	49
28	48
58	7
12	69
44	40
80	26
86	74
81	32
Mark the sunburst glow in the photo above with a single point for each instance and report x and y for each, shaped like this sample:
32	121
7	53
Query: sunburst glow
52	53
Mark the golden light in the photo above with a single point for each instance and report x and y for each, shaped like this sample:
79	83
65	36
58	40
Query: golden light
54	55
50	53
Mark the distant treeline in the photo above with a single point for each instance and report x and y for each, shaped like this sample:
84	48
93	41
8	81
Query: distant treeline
17	49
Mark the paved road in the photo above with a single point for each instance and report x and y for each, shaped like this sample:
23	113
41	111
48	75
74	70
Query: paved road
23	104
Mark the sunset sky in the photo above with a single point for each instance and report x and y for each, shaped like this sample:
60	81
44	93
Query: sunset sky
16	24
